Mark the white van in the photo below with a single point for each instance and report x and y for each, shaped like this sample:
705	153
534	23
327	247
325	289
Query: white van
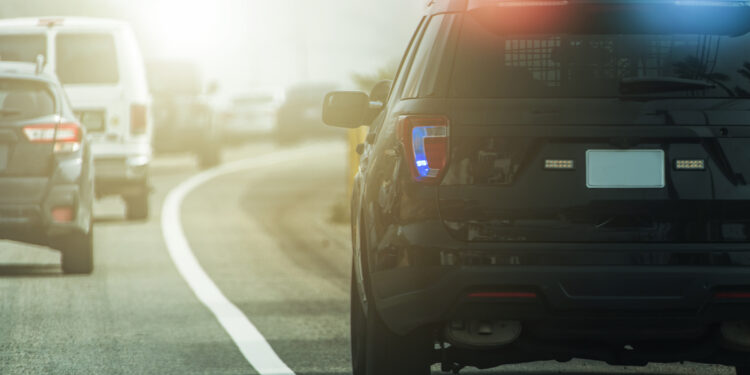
100	65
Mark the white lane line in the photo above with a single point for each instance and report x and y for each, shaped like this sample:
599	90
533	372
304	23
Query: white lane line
248	339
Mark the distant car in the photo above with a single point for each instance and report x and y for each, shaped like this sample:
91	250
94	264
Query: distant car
252	115
550	180
300	117
184	117
100	66
46	176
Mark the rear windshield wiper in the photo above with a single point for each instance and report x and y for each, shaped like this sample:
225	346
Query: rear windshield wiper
646	85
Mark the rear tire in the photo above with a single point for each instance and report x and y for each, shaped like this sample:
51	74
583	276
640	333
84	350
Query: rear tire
137	206
376	350
77	253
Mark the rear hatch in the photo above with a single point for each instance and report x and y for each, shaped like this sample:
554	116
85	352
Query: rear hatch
608	134
87	64
26	108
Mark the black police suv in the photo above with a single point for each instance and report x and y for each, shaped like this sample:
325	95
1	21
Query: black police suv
556	179
46	176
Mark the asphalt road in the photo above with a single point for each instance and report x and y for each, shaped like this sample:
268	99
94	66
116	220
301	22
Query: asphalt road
264	236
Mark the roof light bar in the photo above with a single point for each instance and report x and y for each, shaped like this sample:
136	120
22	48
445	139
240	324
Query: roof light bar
712	3
532	3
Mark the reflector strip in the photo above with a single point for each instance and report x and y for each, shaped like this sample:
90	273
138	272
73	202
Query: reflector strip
733	295
694	165
520	295
559	164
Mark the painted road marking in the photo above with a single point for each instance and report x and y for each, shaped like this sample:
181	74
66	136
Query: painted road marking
248	339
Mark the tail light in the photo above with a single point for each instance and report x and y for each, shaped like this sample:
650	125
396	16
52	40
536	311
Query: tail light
426	145
66	136
138	119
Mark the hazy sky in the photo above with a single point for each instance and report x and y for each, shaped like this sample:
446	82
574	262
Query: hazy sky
246	43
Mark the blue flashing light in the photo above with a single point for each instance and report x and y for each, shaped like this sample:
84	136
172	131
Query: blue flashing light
418	134
713	3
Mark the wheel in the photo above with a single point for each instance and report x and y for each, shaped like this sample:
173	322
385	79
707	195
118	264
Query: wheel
376	350
743	370
77	253
137	206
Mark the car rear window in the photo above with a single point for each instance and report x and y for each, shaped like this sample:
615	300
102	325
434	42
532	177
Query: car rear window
24	99
87	59
23	48
491	64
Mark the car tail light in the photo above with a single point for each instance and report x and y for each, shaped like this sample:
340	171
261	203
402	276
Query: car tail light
63	214
66	137
426	145
138	119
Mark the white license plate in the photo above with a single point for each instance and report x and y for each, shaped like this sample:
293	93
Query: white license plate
625	169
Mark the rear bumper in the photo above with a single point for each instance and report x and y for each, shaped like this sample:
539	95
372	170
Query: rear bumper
564	293
30	220
670	314
121	175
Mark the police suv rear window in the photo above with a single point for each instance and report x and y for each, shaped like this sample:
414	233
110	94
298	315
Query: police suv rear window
498	65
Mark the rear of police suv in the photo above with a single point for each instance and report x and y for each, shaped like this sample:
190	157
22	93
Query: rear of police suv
574	182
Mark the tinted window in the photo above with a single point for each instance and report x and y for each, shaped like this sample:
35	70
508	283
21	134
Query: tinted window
87	59
21	99
22	47
494	65
423	72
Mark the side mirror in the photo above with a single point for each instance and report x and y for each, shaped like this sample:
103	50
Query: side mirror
345	109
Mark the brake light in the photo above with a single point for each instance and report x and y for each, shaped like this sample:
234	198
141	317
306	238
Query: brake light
66	137
138	119
426	146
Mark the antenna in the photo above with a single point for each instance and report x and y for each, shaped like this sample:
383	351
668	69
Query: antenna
39	64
